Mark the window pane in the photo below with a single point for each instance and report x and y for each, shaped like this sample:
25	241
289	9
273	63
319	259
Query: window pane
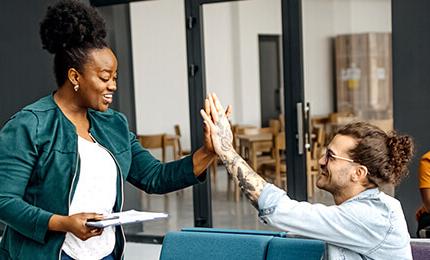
161	91
242	49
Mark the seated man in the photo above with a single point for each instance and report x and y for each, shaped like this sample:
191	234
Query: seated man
365	223
423	215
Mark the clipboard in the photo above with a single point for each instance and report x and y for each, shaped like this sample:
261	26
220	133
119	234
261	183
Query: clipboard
126	217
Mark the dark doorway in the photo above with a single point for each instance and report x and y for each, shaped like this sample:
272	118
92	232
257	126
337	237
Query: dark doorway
269	49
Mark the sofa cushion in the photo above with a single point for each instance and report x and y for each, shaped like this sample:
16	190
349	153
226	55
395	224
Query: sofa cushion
213	246
295	249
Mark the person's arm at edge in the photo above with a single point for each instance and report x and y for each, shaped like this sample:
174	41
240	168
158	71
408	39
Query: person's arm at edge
424	178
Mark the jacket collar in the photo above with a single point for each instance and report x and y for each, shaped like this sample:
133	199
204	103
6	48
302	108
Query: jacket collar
366	194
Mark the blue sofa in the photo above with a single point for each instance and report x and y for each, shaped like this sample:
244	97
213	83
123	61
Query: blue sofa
213	244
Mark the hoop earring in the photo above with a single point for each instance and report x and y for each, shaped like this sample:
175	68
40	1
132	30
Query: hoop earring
76	88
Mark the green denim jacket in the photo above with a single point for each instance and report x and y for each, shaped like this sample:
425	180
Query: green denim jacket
39	170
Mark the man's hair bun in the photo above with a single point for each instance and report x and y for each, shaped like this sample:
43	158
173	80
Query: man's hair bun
71	24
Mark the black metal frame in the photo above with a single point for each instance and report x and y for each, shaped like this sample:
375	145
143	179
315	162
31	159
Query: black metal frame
197	92
294	93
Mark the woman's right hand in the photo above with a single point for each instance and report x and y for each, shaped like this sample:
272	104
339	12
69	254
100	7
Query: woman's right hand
76	224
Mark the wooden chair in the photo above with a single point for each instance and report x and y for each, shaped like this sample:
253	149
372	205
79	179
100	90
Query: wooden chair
277	171
275	125
281	119
181	152
154	142
157	141
312	169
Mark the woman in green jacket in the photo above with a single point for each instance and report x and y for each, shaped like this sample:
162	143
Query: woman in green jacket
52	149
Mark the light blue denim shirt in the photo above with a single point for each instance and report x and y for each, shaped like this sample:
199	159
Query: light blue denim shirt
370	225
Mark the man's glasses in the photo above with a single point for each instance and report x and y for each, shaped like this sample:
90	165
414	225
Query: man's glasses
329	155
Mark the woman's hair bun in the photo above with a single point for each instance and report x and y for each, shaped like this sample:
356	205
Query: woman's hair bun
71	24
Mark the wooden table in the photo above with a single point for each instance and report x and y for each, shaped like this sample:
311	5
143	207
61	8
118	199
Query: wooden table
250	145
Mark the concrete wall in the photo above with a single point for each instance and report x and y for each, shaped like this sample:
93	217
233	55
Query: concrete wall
323	20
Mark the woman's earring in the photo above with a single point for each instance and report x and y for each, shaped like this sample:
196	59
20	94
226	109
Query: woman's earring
76	88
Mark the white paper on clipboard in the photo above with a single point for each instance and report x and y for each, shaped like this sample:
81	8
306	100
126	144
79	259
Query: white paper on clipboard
126	217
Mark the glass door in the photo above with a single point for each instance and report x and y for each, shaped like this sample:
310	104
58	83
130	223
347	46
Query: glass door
162	110
242	57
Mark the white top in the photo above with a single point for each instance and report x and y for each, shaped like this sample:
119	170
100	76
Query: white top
95	192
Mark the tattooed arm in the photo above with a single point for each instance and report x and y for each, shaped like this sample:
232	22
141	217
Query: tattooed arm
249	181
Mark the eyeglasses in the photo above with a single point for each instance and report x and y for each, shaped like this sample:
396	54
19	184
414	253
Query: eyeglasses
329	155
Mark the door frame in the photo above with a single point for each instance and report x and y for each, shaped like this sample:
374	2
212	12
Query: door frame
293	95
274	38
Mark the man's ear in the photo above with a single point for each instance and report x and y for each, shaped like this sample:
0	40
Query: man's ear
73	76
360	174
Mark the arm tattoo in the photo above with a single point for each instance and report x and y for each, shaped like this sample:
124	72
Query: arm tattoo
225	135
249	181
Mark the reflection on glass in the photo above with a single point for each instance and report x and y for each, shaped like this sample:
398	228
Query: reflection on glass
242	51
347	71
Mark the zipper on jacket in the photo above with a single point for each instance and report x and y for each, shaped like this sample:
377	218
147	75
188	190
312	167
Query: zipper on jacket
70	192
122	188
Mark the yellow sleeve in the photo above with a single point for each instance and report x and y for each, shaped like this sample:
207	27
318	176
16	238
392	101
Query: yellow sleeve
424	171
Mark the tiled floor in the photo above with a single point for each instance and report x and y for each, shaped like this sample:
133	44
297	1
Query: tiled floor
226	212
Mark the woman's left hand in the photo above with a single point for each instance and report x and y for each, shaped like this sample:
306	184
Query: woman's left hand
207	142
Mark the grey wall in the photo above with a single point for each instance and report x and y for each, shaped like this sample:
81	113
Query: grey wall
411	83
25	68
